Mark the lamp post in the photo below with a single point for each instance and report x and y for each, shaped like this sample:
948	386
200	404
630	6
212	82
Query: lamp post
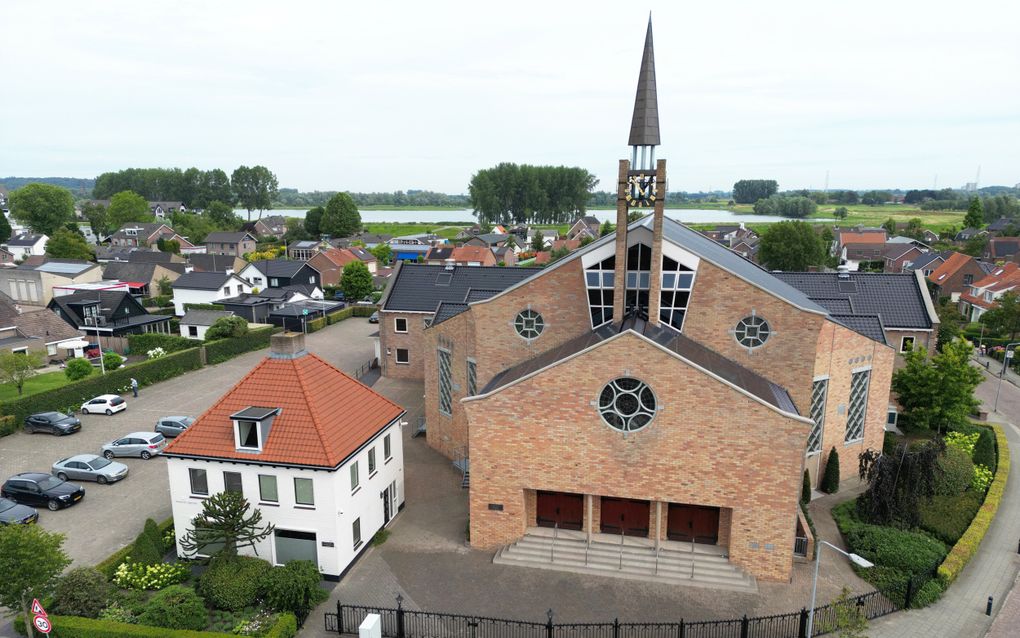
1002	373
860	561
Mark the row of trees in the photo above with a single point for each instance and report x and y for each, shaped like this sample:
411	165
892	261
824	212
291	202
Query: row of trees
749	191
785	206
521	193
291	197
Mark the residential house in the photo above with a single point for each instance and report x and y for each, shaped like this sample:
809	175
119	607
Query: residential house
294	315
146	276
927	263
255	307
863	256
330	263
439	255
984	293
857	235
899	255
370	240
6	257
488	240
586	226
1002	225
316	452
206	288
1001	249
22	330
4	196
33	283
747	247
411	247
955	276
24	245
195	323
929	237
366	257
223	243
216	263
139	235
505	256
304	250
278	273
271	226
466	255
968	234
105	313
163	210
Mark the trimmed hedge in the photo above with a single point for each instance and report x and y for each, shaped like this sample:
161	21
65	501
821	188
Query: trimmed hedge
8	425
78	627
142	343
948	517
223	349
113	382
109	566
964	550
203	306
348	312
233	583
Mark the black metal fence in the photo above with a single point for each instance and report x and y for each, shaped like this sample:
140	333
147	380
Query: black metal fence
398	622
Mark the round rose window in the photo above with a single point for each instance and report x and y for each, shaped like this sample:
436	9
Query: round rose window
752	332
627	404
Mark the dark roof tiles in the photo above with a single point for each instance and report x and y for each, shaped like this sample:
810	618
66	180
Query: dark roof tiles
421	287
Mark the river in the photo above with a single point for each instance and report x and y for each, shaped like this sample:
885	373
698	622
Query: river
464	215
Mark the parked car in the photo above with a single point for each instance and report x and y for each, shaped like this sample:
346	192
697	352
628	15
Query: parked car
339	296
52	422
374	318
13	514
89	467
107	403
143	444
171	426
36	488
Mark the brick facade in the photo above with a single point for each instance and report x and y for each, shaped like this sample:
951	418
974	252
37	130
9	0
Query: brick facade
413	341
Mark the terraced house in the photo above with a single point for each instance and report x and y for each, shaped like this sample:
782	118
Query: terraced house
652	384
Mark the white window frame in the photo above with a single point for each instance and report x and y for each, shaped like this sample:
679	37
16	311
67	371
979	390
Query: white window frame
387	448
373	465
237	435
311	482
407	356
903	342
396	325
355	478
276	486
191	481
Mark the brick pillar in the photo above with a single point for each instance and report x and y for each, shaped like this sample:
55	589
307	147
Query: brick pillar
620	276
655	285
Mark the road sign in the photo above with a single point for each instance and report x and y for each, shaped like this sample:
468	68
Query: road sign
1009	354
42	624
37	608
305	311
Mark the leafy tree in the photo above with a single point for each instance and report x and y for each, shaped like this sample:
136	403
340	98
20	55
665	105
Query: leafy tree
875	198
1005	316
890	226
222	215
605	228
166	287
356	281
295	230
939	393
841	212
517	193
950	323
5	228
64	244
341	217
255	188
226	327
899	483
31	560
98	219
830	478
785	206
975	217
312	220
126	207
168	246
224	526
748	191
791	246
915	229
77	369
42	207
17	368
383	253
975	246
538	241
192	227
215	188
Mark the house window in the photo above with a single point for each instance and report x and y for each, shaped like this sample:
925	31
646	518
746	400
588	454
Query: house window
677	281
387	448
892	416
529	324
232	482
752	332
199	481
968	280
472	378
226	290
400	324
906	344
304	494
858	406
192	331
354	477
445	383
311	280
248	435
627	404
403	356
274	282
819	390
371	462
51	350
267	489
356	532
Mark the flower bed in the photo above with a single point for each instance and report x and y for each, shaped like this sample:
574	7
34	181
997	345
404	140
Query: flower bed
285	626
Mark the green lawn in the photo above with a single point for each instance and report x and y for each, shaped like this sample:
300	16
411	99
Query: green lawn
35	385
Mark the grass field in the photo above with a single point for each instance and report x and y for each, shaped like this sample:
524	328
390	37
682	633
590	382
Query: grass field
35	385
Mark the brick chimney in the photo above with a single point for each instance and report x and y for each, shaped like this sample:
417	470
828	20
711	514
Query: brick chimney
287	345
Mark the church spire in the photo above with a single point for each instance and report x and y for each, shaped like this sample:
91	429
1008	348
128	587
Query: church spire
644	125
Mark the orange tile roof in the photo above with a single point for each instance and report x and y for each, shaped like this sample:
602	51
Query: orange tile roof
862	237
340	256
996	276
480	254
949	267
324	416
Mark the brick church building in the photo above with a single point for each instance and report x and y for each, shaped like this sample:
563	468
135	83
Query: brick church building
653	384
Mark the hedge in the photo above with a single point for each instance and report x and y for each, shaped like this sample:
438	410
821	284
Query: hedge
76	627
223	349
159	301
142	343
965	548
348	312
74	394
8	425
203	306
109	566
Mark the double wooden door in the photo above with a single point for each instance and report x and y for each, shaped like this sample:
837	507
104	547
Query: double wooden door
693	523
624	516
560	509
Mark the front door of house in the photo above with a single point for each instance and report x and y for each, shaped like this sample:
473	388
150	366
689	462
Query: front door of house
624	516
693	523
560	509
386	505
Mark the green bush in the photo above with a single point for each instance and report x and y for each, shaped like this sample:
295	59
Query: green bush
805	488
234	583
132	575
148	547
890	442
285	627
956	472
293	587
225	349
142	343
78	369
112	361
176	607
888	580
910	552
108	567
158	301
227	328
947	517
8	425
830	479
928	594
202	306
984	450
83	591
75	627
316	324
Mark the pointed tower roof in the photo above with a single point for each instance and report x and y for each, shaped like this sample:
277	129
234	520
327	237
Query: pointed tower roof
644	125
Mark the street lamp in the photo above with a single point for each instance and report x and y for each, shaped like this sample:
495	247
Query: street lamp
1002	373
860	561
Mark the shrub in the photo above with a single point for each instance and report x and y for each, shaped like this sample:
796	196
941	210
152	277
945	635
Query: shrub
910	552
234	583
112	361
947	517
138	576
830	479
805	488
83	591
890	442
963	441
109	565
155	353
131	600
74	627
148	547
956	472
928	594
8	425
984	449
294	587
117	613
982	479
888	580
78	369
227	327
170	343
285	627
380	537
176	607
158	301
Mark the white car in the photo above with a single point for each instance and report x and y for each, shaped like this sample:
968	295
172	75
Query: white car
104	403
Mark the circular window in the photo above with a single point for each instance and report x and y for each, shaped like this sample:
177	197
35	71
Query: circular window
627	404
752	332
529	324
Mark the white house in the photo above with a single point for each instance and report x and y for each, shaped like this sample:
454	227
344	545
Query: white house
206	288
316	451
26	244
194	323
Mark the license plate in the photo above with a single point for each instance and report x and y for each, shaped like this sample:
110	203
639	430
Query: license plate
77	497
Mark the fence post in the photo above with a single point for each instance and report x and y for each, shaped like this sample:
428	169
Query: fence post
339	617
910	592
616	628
745	627
802	628
682	629
400	616
549	624
988	608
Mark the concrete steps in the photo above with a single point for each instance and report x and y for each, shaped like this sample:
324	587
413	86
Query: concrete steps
704	567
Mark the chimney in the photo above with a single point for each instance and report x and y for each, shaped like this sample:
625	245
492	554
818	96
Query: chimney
843	271
620	272
450	262
229	271
287	345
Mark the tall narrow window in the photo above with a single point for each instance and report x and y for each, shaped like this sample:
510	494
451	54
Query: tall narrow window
677	281
639	272
472	378
267	489
818	391
354	476
199	481
356	532
387	448
598	280
232	482
858	406
445	383
371	462
304	493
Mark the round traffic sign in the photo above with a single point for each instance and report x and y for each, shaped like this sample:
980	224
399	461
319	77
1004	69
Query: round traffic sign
42	623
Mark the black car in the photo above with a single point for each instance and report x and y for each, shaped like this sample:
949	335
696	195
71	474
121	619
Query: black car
52	422
11	513
36	488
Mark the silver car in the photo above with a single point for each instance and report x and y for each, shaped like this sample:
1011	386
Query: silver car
171	426
89	467
143	444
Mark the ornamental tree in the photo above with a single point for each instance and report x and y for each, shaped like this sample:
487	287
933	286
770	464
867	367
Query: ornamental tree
791	246
17	368
899	483
67	244
224	526
126	207
42	207
356	281
937	393
31	560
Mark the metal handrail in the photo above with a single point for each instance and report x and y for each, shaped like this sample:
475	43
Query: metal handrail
621	549
587	546
552	546
657	550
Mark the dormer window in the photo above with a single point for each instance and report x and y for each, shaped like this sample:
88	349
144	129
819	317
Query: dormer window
251	428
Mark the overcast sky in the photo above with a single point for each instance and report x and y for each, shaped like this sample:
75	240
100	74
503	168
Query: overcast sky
367	96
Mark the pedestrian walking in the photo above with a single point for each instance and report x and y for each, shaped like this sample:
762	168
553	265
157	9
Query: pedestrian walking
134	386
